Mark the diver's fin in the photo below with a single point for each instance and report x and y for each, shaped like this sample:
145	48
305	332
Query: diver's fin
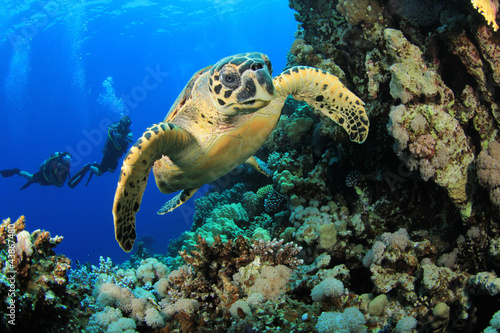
95	164
176	201
326	95
10	172
259	165
26	185
158	140
77	178
88	180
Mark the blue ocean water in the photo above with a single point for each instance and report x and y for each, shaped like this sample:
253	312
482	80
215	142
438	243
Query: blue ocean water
69	68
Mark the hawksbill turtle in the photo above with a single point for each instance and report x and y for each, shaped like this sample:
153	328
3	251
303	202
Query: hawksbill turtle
221	118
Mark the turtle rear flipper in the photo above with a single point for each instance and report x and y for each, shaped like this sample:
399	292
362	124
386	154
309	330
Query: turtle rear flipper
158	140
325	93
259	165
176	201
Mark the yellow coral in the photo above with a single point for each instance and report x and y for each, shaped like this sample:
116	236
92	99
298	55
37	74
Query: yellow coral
488	8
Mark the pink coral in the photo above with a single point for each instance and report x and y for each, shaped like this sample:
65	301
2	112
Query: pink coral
423	147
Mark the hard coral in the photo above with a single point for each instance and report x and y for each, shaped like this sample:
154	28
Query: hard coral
36	281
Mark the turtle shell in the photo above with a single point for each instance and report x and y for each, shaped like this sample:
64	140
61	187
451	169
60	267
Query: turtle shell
185	94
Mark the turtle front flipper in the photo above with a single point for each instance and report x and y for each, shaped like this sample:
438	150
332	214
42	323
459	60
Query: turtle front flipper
176	201
158	140
325	93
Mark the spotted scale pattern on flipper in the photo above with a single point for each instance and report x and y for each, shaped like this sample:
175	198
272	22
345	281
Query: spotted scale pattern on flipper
176	201
259	165
156	141
326	94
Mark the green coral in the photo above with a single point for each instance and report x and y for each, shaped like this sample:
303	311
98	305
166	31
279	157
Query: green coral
222	222
286	181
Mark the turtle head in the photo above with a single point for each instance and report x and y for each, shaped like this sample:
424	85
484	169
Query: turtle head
242	83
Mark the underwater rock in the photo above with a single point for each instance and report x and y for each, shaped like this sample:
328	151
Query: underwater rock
488	171
355	12
419	13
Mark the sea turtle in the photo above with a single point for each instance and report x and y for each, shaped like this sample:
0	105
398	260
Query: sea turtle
221	118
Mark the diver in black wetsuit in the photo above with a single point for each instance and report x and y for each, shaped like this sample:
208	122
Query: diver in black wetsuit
119	138
53	171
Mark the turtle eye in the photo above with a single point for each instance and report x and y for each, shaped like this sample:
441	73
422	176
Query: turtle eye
230	80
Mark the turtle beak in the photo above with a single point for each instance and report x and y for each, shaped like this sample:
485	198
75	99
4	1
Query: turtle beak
257	89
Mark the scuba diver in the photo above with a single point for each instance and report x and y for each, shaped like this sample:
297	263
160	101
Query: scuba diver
119	137
53	171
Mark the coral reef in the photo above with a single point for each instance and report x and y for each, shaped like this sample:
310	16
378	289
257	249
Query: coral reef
399	234
34	283
420	208
219	281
